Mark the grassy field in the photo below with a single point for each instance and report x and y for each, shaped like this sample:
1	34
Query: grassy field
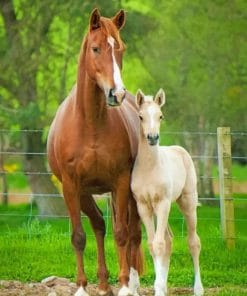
32	249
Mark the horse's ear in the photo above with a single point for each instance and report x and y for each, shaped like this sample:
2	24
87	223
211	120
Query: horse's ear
119	19
160	97
139	98
95	19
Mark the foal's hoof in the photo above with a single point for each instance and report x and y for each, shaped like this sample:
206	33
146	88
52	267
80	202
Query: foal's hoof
199	291
198	288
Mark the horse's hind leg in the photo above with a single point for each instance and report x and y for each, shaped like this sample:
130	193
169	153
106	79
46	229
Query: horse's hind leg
90	208
78	237
136	256
188	206
121	231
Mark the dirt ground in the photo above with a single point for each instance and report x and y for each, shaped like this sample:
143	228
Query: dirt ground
54	286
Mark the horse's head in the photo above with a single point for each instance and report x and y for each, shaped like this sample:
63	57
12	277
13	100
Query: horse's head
104	50
150	114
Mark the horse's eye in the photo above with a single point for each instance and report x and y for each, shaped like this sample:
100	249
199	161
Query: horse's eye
96	49
141	118
161	117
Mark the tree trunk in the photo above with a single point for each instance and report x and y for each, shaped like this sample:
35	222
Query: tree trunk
47	197
202	147
205	165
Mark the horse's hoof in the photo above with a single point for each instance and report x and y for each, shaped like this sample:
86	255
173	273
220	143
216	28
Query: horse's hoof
104	293
81	292
125	291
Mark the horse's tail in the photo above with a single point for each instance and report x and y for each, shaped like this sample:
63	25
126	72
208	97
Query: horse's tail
140	260
169	230
139	252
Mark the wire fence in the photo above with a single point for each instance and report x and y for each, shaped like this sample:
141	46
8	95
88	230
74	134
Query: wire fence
12	157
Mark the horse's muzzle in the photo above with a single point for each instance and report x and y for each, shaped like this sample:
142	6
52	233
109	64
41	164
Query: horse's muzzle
115	98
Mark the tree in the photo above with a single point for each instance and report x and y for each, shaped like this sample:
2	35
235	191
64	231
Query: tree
197	54
40	42
195	50
27	35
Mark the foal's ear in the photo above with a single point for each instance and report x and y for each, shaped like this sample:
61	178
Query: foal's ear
139	98
119	19
160	98
95	19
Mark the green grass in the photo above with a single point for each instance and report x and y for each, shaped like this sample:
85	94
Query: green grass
32	249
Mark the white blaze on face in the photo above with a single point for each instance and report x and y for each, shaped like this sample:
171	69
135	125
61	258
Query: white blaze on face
116	71
151	113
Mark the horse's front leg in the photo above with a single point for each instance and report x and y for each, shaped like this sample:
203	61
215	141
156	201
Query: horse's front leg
161	247
78	237
90	208
121	232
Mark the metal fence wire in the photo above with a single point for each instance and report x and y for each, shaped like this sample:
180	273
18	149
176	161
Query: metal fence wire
12	155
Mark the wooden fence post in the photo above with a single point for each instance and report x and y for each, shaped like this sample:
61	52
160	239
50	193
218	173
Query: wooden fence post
225	183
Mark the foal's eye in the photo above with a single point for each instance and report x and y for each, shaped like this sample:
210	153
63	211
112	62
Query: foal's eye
96	49
161	117
141	118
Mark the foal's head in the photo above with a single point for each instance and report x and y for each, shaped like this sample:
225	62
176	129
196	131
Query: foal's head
103	50
150	115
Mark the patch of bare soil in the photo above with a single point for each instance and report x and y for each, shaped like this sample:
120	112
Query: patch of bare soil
55	286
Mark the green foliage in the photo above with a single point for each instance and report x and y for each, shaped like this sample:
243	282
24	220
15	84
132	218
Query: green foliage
195	50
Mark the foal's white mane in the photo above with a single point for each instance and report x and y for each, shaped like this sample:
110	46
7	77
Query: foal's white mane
148	99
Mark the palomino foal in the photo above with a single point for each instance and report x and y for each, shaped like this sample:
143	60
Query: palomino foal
160	176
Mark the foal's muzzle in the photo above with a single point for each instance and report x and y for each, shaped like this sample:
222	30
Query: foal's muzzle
153	139
115	97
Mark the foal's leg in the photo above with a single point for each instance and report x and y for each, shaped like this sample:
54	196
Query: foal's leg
78	237
147	218
136	256
188	205
161	247
168	251
90	208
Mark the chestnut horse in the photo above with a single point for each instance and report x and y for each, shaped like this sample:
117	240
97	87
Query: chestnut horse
92	148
